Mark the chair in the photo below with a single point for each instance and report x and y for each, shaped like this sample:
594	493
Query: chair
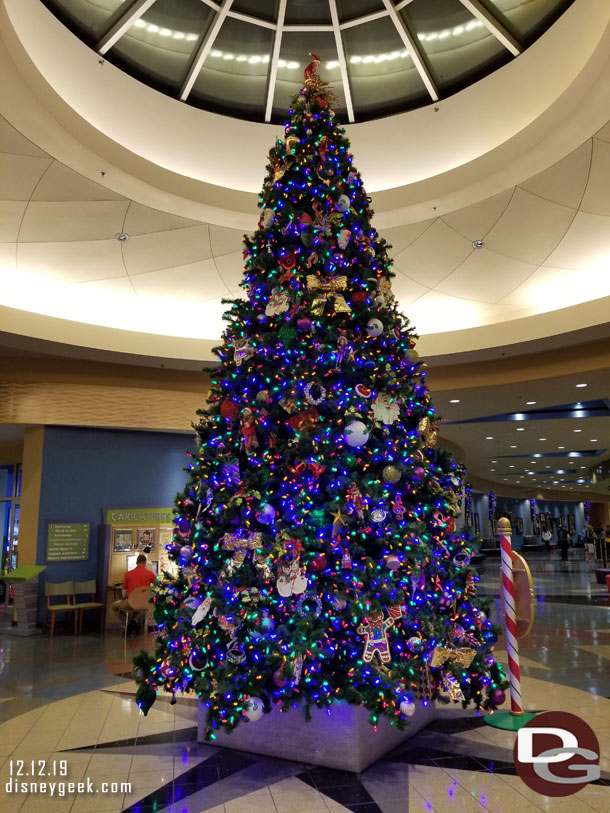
52	589
139	601
88	589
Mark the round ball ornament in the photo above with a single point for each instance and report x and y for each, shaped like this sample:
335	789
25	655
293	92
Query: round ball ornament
304	323
263	398
407	708
378	515
307	239
167	669
265	514
253	709
418	474
229	409
280	679
359	298
268	218
287	335
391	474
288	261
497	696
343	204
414	644
339	604
374	328
267	623
198	660
319	563
482	617
186	551
356	434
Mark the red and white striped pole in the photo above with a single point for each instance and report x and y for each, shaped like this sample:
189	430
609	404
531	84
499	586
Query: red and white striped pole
512	644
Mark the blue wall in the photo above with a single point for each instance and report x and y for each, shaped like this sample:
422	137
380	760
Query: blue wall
87	470
518	507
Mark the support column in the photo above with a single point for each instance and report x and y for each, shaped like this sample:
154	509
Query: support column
30	494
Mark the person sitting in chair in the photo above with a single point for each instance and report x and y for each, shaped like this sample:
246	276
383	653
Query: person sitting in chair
138	577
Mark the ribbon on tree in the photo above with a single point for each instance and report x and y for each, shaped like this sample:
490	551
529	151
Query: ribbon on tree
241	546
462	656
325	289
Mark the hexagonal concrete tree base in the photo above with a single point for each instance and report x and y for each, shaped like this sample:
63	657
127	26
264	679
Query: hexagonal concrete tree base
344	739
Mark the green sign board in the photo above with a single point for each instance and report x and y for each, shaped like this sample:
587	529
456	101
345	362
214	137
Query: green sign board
139	516
67	541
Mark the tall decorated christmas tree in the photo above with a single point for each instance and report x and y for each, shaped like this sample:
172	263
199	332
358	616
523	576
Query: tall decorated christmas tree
315	541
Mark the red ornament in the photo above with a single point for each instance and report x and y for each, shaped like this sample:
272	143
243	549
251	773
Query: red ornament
229	409
319	563
288	261
167	670
359	298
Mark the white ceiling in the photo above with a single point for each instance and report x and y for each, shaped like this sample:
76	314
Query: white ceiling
547	246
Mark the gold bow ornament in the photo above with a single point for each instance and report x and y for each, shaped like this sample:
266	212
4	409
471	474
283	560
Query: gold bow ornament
325	289
242	545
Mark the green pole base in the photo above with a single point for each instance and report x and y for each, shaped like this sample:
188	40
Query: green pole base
508	721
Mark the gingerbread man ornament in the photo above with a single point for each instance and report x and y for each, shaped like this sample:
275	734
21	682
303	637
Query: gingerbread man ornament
376	643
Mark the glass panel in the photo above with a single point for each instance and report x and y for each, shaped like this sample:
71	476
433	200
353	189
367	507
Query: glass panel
91	17
293	61
264	11
527	18
351	9
303	12
7	480
19	477
234	76
159	45
456	44
382	74
5	512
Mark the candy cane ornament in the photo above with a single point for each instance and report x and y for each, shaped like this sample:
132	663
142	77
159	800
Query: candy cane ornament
512	645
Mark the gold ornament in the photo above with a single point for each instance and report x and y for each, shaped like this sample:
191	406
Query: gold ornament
328	287
463	656
427	432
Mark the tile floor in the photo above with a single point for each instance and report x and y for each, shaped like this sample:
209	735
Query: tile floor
66	699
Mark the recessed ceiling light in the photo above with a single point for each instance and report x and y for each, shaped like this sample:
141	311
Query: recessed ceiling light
492	470
122	237
530	403
578	430
454	401
520	429
561	447
494	461
511	467
583	467
477	244
513	447
581	385
489	437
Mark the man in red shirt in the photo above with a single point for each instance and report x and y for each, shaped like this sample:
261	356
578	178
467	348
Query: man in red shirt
138	577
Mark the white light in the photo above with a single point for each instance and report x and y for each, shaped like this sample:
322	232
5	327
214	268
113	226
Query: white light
216	53
472	24
281	63
432	36
265	58
581	385
332	64
228	57
368	58
521	429
254	60
511	466
244	58
165	32
513	447
444	34
178	35
140	24
152	28
454	401
593	440
354	60
459	29
191	37
530	403
561	447
489	437
394	55
381	58
578	430
541	438
292	65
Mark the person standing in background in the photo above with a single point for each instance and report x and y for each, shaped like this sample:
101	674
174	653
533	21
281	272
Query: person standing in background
547	535
564	542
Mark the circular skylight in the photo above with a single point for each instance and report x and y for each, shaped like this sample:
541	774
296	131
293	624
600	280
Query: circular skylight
245	58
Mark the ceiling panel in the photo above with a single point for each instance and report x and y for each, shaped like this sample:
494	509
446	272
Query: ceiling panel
474	222
197	282
46	221
151	252
71	262
434	255
62	183
485	277
565	181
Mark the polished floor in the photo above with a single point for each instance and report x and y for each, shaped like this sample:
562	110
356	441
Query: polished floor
68	699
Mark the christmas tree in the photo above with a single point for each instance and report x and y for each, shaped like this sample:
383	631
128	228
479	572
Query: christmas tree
315	540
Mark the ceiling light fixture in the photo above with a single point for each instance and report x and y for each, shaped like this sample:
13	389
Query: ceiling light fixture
530	403
478	244
581	385
122	236
593	440
520	429
454	401
489	437
578	430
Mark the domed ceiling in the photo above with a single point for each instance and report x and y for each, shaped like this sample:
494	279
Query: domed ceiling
245	58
